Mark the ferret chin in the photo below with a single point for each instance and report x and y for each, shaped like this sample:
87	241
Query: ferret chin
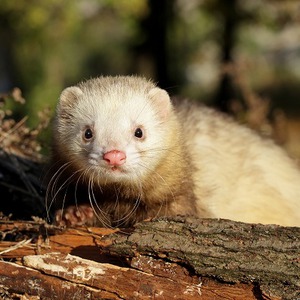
123	152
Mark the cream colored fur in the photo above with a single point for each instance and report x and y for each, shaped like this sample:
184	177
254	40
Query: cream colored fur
239	175
192	153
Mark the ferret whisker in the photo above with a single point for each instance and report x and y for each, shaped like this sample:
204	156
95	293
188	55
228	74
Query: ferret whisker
116	204
82	174
164	203
125	218
51	191
98	211
162	178
54	192
63	184
149	151
100	214
54	178
133	210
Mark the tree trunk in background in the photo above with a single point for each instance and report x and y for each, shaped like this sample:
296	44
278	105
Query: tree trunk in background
230	21
8	69
158	38
155	47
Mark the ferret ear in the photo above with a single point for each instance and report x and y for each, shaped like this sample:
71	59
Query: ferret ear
161	101
69	96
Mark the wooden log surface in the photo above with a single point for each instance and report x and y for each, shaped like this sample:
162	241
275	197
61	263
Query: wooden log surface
179	258
268	255
37	237
61	276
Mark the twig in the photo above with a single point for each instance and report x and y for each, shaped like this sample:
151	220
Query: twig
17	246
14	128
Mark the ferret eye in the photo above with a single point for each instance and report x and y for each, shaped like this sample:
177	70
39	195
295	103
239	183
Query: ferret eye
88	134
138	133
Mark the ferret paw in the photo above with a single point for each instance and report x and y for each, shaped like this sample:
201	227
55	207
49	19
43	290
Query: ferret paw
74	215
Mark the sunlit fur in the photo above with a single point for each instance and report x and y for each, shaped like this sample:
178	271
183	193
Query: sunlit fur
150	183
239	175
191	160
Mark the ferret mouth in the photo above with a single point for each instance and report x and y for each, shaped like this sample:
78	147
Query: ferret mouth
111	172
115	174
116	169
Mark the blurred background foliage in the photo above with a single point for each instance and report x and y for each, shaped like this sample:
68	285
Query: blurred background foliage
242	56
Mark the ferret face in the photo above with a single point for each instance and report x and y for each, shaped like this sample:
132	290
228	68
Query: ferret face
114	129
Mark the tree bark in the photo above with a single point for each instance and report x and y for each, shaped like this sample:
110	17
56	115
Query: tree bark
178	258
230	21
266	255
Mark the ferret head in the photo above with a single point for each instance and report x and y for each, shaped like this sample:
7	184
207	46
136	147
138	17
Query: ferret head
114	129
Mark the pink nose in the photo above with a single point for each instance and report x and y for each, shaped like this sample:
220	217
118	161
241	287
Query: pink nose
115	157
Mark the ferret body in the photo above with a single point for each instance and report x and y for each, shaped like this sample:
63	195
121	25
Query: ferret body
123	152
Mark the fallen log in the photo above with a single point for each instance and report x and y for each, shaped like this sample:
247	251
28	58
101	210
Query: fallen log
184	258
60	276
266	255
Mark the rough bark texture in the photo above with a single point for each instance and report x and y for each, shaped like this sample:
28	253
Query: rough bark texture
268	256
181	258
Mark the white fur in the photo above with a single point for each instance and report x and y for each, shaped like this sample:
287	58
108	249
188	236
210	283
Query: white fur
239	175
114	115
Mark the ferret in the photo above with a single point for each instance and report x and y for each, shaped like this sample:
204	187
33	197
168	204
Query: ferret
124	152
